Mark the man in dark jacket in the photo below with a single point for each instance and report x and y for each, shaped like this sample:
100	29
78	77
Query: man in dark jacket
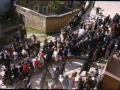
15	72
85	67
8	74
62	68
56	74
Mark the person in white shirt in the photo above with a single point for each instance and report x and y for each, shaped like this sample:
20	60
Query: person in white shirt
55	55
27	49
41	60
15	55
5	54
24	53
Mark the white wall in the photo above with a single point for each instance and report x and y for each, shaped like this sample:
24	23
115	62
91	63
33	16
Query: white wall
5	6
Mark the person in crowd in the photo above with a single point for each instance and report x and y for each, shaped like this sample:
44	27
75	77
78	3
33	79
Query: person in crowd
62	68
15	55
80	83
98	41
8	74
24	53
56	75
7	62
34	39
15	72
36	64
65	82
97	10
71	83
31	67
95	73
25	69
27	48
55	55
85	67
48	56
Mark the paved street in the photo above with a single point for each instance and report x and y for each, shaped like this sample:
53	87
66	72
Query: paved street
110	7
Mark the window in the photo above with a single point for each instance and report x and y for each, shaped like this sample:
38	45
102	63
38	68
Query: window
36	8
27	1
45	10
56	6
70	4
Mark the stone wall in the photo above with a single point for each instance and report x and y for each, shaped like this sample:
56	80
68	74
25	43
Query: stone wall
38	21
30	18
56	22
8	34
47	24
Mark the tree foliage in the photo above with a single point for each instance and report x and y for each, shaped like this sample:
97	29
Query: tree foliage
51	6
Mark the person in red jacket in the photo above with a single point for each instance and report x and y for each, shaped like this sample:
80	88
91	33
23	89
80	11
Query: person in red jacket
25	69
36	64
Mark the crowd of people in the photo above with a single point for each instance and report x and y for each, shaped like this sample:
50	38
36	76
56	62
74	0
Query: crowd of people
97	40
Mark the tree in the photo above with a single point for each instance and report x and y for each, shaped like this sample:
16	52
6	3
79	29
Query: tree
51	6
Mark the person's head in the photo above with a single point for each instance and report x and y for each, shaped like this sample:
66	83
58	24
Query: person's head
36	58
57	69
74	74
55	49
22	62
80	79
96	69
25	63
66	76
19	64
52	86
13	66
86	86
